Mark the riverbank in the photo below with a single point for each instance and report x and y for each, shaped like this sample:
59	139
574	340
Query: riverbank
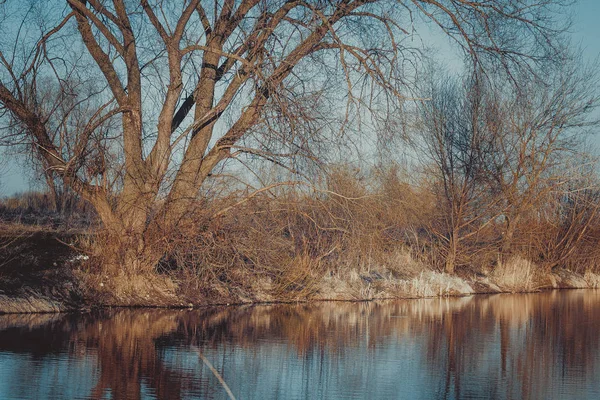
37	271
67	296
42	273
160	291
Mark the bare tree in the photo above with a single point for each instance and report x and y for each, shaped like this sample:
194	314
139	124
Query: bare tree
174	89
456	141
567	229
499	152
3	168
538	129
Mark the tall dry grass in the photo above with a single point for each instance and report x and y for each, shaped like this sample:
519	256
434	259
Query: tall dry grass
39	209
516	275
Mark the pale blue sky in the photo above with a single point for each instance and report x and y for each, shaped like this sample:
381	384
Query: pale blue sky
585	32
586	26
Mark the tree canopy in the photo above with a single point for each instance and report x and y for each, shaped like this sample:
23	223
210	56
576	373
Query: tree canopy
133	104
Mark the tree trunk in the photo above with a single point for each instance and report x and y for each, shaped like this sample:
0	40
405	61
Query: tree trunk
127	243
508	236
129	252
451	255
54	197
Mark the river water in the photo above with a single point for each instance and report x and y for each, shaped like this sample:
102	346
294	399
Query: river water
534	346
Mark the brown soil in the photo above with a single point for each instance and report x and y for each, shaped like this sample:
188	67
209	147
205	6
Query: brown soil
35	272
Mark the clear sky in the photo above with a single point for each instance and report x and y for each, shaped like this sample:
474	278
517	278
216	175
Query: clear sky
585	32
586	27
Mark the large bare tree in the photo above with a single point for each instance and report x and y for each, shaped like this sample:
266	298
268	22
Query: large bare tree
148	97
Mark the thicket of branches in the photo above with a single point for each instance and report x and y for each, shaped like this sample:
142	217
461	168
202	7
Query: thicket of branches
201	133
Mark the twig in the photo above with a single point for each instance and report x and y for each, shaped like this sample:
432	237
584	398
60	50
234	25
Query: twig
216	374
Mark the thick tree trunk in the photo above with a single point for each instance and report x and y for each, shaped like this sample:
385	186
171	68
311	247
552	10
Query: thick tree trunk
128	243
129	252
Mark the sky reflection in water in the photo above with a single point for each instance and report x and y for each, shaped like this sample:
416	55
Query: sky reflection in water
539	346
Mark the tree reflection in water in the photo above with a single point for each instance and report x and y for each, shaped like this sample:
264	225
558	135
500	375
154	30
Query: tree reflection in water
502	346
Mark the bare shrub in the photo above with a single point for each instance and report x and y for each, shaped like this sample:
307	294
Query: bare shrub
348	238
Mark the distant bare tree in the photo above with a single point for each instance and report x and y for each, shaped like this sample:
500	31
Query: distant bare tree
456	141
151	96
575	213
538	129
503	152
3	168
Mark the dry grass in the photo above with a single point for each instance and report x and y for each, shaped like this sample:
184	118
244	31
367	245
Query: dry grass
356	237
359	237
128	289
592	279
37	209
436	284
516	275
400	277
32	303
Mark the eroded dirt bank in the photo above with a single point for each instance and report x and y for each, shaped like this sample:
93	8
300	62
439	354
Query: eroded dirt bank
36	272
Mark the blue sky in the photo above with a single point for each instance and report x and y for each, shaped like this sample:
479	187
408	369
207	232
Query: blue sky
586	26
585	32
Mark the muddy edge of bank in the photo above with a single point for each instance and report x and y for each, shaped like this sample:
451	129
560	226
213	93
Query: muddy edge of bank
66	297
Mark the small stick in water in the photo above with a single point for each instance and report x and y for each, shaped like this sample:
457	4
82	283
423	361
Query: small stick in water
216	373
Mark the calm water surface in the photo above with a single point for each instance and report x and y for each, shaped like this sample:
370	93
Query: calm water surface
538	346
